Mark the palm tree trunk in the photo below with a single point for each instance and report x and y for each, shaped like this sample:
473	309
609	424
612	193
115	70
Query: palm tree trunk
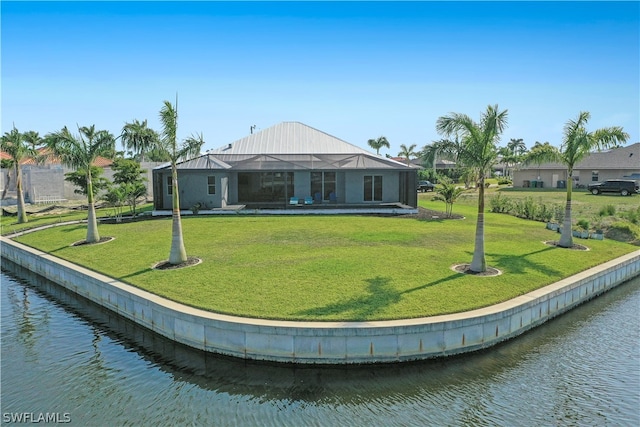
92	224
6	184
435	166
566	238
478	263
178	253
22	213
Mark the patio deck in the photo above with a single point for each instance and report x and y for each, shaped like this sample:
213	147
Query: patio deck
301	209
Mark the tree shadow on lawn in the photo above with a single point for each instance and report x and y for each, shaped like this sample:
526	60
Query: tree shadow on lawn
135	273
520	264
381	295
77	243
66	245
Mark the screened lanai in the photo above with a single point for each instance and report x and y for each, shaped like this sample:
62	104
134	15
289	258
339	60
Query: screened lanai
257	171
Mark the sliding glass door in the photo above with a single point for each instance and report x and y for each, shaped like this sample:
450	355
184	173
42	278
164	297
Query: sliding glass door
265	186
323	186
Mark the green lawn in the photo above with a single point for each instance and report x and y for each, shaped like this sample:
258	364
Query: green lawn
42	216
583	203
347	268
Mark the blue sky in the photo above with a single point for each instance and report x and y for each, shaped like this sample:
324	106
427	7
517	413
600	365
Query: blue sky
356	70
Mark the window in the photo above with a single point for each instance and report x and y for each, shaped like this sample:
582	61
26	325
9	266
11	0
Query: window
594	176
322	185
211	184
372	188
169	185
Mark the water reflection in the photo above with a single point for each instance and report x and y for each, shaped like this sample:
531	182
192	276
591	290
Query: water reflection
97	360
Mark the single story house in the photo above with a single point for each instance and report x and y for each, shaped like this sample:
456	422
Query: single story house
287	164
622	162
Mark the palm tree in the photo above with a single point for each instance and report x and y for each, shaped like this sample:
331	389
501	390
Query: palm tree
512	154
17	147
33	139
508	159
444	148
428	155
477	151
79	152
378	143
448	192
577	143
168	145
407	152
516	146
139	138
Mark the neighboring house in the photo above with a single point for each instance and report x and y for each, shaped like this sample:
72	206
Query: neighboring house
441	164
45	183
621	162
268	168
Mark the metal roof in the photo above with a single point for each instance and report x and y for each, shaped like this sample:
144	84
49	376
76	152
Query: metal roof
201	162
289	146
289	138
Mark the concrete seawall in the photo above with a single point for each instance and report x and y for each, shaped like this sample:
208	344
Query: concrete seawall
327	342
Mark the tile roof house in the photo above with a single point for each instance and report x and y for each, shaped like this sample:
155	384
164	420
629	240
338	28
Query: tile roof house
287	162
622	162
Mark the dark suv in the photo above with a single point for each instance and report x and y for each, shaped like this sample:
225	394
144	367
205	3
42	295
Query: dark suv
625	187
425	186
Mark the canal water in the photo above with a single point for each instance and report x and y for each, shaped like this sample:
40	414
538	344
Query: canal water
67	358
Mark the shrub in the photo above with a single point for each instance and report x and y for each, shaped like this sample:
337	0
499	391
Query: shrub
544	212
526	208
583	224
196	208
608	210
500	204
530	208
504	181
632	215
558	213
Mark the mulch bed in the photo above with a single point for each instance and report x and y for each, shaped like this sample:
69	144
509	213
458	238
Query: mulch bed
464	269
430	215
102	240
575	246
165	265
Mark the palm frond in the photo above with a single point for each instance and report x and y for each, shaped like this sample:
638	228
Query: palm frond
169	123
191	146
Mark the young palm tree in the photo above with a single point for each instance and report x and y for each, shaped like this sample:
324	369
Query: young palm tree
79	152
17	147
139	138
378	143
477	151
408	152
576	144
168	145
448	192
